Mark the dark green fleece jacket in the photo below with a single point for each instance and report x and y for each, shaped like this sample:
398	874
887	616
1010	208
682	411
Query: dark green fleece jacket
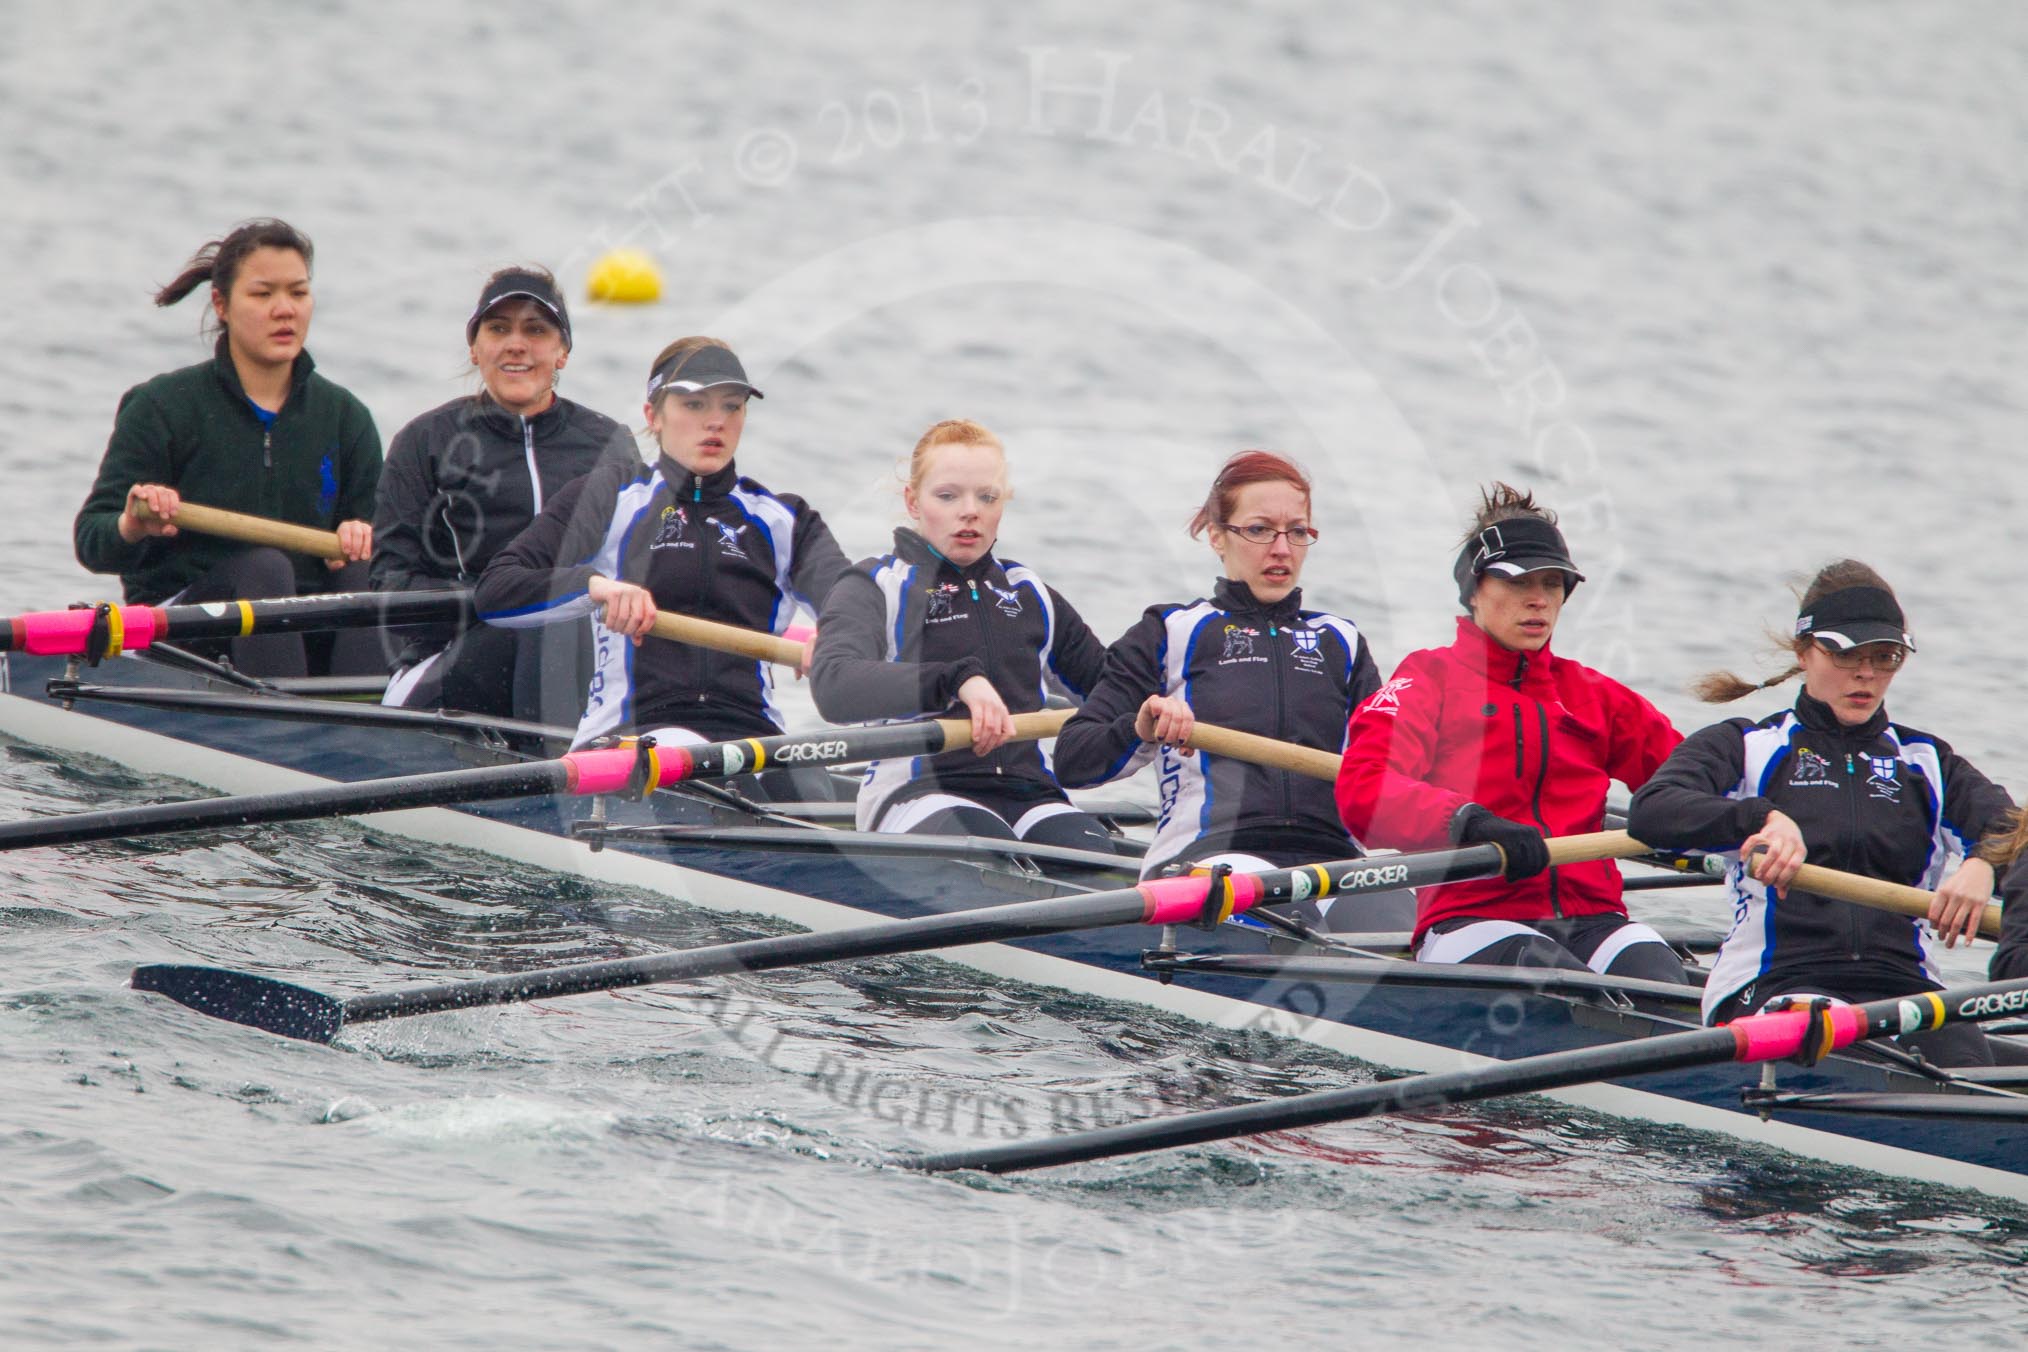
196	431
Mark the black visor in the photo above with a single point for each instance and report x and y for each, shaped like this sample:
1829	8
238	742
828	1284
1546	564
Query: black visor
1854	616
699	369
1525	544
520	286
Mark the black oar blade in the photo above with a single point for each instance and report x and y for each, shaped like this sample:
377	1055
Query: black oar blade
240	997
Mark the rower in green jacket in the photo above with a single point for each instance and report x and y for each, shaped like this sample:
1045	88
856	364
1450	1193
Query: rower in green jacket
254	430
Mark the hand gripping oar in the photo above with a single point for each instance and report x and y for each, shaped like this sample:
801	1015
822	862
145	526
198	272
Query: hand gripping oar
295	1011
252	530
1805	1034
623	769
107	631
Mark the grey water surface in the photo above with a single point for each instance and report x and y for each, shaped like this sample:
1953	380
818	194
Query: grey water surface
1736	287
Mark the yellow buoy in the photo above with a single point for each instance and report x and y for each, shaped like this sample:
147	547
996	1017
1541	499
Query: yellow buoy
626	276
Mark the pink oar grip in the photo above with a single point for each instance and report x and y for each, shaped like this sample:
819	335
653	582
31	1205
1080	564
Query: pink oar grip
799	633
62	633
602	771
1771	1037
1177	901
611	769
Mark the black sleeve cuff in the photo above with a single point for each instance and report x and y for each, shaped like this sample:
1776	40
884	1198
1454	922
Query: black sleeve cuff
1748	817
952	676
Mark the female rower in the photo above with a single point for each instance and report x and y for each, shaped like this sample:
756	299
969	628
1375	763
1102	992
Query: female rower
253	430
1497	739
943	627
688	533
1249	658
464	479
1832	782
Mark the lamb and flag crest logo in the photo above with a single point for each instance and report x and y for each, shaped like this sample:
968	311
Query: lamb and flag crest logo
938	601
675	523
1238	642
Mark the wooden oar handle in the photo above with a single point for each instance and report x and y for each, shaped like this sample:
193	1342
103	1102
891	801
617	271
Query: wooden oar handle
1596	845
253	530
727	638
1027	728
1899	898
1247	746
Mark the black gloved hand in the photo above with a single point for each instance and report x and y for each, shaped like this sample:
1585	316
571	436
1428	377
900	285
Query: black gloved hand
1527	853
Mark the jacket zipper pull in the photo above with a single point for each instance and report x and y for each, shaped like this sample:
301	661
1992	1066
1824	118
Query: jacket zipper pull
974	585
1850	768
268	449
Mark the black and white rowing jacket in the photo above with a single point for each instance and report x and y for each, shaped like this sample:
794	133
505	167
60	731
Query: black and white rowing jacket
903	631
718	548
1275	670
1879	800
462	480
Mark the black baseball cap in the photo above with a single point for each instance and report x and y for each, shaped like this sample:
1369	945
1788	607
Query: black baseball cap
1852	617
517	284
1512	548
700	368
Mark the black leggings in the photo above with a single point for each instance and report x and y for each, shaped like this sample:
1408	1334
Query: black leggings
1568	944
995	816
261	573
534	674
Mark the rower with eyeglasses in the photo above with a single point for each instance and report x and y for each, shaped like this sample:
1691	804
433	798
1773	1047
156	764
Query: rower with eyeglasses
1247	657
1832	781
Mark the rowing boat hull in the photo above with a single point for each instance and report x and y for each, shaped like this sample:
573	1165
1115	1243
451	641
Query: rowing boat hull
1390	1025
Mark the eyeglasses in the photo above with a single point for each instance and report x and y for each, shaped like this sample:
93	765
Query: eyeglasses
1260	533
1883	656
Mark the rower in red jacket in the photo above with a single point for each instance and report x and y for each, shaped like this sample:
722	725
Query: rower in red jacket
1496	739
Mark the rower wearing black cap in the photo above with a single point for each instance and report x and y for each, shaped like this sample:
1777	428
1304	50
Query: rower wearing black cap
464	479
1832	781
1497	739
687	533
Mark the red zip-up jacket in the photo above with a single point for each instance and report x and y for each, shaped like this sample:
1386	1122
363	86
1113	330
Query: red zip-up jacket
1531	736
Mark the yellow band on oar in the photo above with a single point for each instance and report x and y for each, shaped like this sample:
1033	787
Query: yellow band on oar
758	752
1936	1009
116	629
1224	897
246	617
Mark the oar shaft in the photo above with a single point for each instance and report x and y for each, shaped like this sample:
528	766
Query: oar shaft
382	795
1757	1037
609	770
253	530
1158	901
993	924
1409	1094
